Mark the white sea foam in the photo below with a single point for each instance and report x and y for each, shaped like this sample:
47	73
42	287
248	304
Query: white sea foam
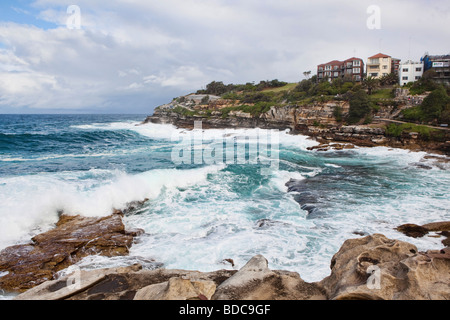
194	222
33	201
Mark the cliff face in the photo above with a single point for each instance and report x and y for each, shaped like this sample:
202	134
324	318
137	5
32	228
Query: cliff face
315	119
289	116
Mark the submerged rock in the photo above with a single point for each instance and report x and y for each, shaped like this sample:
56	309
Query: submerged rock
74	238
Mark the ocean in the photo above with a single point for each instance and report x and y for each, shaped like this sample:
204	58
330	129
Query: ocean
202	212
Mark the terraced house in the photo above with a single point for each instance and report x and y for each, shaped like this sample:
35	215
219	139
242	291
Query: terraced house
348	70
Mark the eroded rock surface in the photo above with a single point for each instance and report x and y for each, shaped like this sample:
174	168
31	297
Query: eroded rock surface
376	267
74	238
373	267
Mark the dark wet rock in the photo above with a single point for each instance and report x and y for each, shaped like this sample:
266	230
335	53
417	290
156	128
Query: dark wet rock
415	231
360	233
229	261
134	207
421	166
412	230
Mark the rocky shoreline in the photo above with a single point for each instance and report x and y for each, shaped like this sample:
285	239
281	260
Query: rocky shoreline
73	238
315	121
368	268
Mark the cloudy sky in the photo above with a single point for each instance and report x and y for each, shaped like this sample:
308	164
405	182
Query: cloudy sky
129	56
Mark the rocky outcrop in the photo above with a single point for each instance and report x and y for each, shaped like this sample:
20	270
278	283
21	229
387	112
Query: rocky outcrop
373	267
315	119
74	238
416	231
255	281
178	289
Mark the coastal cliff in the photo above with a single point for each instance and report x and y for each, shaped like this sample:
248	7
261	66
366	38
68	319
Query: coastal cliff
318	120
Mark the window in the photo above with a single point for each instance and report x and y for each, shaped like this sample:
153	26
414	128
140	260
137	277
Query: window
336	74
320	68
356	70
418	69
405	78
327	67
356	63
385	67
374	75
357	78
418	77
335	68
405	70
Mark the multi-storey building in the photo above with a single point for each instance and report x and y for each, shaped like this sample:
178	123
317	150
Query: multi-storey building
410	71
351	69
440	65
381	65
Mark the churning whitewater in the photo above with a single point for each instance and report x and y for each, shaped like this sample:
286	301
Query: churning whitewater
297	213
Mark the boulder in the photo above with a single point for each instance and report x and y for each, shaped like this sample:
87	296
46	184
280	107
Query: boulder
255	281
375	268
178	289
74	238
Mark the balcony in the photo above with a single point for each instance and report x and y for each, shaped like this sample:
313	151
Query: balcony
373	62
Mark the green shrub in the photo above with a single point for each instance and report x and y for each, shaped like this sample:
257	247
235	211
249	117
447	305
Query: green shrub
360	107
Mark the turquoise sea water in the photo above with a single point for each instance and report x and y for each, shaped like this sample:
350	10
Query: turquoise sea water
199	214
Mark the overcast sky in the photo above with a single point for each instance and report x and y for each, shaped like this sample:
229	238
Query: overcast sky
129	56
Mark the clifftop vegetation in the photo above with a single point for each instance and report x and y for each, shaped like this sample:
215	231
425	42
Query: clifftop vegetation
365	98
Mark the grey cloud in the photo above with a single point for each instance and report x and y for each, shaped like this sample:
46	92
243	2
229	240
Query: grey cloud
139	54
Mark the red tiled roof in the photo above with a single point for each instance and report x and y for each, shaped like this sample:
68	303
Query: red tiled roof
351	59
379	55
334	62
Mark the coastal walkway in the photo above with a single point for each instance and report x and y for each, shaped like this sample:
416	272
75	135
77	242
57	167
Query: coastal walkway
403	122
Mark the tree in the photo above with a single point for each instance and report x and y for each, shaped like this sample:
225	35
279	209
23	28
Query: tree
205	100
307	74
371	83
389	79
359	107
216	88
435	104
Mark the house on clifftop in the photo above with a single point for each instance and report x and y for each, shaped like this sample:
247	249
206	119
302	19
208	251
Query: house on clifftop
348	70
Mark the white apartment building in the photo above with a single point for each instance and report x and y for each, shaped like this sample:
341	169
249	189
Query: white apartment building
410	71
